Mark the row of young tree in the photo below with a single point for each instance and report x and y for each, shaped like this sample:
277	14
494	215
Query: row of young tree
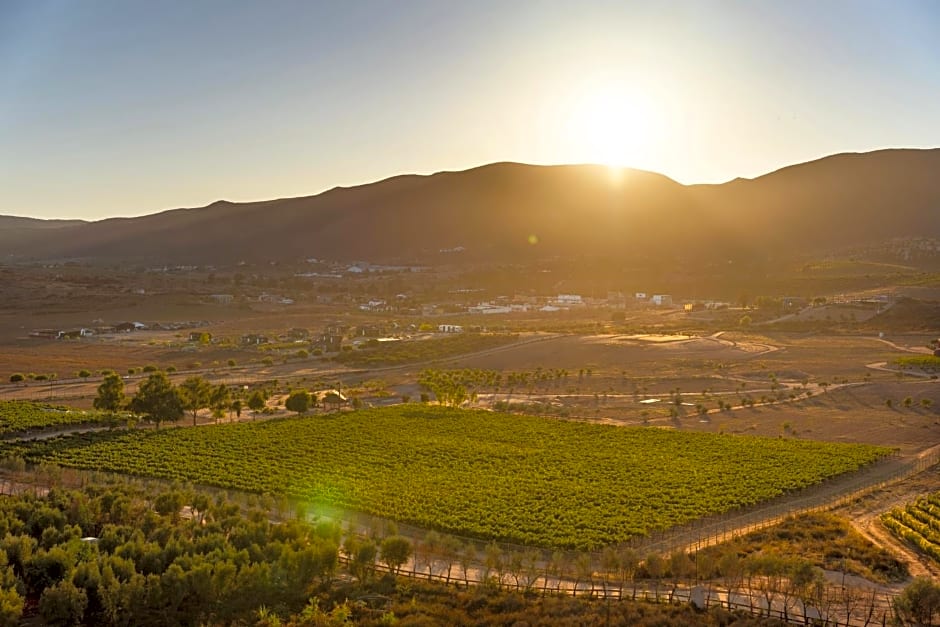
158	400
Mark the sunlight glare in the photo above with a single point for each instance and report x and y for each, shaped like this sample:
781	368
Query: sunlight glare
608	124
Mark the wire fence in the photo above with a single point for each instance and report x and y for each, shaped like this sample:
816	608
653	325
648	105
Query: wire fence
830	605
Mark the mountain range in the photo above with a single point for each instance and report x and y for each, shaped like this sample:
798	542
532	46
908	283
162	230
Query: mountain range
506	212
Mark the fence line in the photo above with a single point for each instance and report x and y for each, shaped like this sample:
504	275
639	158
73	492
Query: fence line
834	605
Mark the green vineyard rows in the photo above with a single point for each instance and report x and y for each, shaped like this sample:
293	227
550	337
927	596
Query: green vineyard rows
918	523
514	478
25	416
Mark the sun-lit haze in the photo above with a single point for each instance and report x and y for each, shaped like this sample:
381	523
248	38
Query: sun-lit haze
127	108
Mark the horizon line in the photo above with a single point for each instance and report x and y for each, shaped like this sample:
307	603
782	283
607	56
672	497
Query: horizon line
468	169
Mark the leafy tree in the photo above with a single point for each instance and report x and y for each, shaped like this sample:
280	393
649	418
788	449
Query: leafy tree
220	400
395	551
256	401
169	504
16	377
919	602
362	555
236	407
298	401
84	373
196	394
158	400
11	607
110	393
63	604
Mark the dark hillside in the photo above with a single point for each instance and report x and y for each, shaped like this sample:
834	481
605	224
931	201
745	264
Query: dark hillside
509	212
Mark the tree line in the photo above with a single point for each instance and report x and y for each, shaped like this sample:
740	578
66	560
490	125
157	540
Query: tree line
158	400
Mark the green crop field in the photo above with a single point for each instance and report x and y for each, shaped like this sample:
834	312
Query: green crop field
516	478
26	416
395	353
918	523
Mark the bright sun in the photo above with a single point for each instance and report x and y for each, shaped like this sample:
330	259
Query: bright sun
610	125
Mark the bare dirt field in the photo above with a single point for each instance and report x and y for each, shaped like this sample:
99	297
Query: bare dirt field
627	380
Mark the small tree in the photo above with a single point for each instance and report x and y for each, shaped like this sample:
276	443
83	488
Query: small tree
110	393
158	400
63	604
84	373
196	394
256	401
298	401
395	551
17	377
919	602
220	400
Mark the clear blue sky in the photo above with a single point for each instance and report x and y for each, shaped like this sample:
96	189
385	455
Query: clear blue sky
128	107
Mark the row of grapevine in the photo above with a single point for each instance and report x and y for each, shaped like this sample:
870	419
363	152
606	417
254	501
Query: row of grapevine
25	416
918	523
519	479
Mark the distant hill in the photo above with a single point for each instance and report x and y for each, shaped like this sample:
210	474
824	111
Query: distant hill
16	222
15	231
510	212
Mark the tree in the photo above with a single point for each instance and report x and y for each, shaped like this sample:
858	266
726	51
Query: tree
11	607
395	551
298	401
63	604
84	373
196	394
158	400
17	377
110	393
256	401
220	400
919	602
361	557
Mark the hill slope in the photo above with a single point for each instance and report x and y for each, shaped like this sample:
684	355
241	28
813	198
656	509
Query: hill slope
491	211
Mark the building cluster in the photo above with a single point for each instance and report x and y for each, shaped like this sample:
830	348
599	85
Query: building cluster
99	328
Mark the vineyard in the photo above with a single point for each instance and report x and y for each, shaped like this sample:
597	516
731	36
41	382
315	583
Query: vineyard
26	416
927	363
489	475
395	353
918	523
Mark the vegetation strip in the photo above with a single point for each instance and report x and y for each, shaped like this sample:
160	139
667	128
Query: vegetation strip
515	478
26	416
918	523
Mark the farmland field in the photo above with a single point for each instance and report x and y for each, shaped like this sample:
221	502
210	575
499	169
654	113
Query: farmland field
25	416
490	475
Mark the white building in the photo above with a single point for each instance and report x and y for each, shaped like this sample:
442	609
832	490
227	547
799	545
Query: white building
449	328
489	308
661	300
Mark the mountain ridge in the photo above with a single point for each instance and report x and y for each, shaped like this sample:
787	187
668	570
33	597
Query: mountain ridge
496	211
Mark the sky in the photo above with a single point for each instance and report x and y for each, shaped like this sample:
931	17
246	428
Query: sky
127	107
